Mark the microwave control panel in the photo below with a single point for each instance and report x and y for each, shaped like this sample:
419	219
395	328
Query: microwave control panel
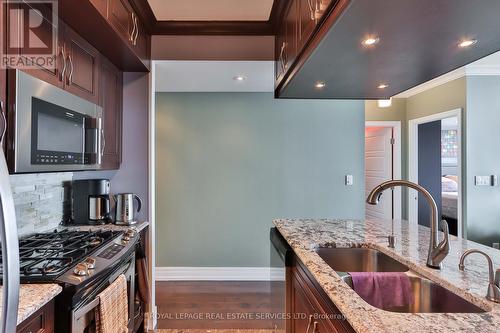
58	158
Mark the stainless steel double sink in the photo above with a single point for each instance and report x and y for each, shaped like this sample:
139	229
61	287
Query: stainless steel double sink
428	297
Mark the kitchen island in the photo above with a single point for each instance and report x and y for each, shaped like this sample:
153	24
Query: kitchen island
412	243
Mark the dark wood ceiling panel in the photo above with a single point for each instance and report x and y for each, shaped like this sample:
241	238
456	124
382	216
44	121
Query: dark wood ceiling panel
418	42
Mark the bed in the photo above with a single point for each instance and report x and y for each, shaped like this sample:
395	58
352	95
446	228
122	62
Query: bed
449	204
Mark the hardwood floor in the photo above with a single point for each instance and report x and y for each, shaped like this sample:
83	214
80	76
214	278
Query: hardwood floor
216	307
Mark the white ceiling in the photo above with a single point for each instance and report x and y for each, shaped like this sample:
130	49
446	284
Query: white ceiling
214	76
211	10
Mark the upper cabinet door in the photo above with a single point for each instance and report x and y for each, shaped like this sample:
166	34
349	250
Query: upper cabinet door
82	61
122	18
110	98
307	20
49	72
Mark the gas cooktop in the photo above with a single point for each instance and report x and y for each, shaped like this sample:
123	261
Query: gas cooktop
45	256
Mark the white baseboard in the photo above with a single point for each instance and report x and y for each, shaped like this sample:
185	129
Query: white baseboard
219	274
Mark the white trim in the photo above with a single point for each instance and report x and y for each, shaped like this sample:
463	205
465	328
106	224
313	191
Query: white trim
219	274
397	160
151	318
413	163
453	75
450	76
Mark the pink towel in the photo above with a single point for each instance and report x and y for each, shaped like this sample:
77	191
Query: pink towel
383	289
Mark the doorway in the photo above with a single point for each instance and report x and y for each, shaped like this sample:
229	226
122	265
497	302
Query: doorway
383	163
435	153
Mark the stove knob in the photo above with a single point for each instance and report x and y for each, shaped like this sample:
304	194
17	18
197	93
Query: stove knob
90	262
125	239
81	269
131	232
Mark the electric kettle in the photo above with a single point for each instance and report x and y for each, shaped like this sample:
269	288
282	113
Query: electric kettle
126	208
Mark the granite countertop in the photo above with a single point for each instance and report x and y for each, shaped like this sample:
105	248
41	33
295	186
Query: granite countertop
32	297
412	243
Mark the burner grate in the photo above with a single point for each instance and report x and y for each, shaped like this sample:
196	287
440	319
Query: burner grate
45	256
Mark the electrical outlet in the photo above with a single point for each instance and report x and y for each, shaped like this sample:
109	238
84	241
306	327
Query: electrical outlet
349	180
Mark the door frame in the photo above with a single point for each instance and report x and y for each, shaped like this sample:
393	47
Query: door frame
396	160
413	163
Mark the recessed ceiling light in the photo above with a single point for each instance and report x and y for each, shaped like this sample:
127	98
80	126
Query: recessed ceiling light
320	85
239	78
467	42
370	41
383	86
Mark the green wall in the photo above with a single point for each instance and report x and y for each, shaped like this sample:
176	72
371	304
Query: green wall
228	163
446	97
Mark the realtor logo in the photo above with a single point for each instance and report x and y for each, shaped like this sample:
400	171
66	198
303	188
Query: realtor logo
30	41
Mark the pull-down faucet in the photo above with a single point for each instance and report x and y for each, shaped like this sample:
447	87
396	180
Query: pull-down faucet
493	293
437	251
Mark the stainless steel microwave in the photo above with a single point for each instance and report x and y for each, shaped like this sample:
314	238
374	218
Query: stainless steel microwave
53	129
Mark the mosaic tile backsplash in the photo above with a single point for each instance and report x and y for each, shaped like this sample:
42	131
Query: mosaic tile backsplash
40	200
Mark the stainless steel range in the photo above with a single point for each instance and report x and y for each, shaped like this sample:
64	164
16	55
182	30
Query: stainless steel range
84	263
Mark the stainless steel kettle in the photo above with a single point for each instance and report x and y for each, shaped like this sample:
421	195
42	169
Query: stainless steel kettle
126	208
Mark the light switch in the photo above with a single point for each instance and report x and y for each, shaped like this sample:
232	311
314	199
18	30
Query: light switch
349	180
482	180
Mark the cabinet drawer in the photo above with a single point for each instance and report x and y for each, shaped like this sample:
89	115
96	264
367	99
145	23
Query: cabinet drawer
41	321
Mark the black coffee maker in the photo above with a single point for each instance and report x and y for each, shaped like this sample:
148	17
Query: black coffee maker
90	202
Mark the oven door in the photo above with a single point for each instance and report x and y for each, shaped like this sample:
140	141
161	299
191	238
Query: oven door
53	129
83	315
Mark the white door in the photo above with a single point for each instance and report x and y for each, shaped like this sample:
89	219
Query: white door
378	169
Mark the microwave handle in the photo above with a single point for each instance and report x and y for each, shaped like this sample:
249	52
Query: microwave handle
100	141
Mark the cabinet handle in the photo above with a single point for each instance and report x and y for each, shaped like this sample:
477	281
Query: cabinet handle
315	327
4	119
281	58
70	76
309	323
312	9
131	37
136	22
63	71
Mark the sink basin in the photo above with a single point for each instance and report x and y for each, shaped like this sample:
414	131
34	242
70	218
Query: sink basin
359	260
429	297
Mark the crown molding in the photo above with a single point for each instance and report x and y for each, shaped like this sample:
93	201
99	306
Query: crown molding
468	70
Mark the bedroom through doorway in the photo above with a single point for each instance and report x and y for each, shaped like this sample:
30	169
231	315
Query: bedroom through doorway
435	163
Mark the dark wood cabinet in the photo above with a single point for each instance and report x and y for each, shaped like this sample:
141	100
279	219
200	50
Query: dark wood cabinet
297	35
110	99
54	73
42	321
312	310
3	82
101	6
122	18
82	65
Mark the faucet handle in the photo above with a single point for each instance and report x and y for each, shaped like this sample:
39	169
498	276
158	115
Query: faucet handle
445	244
